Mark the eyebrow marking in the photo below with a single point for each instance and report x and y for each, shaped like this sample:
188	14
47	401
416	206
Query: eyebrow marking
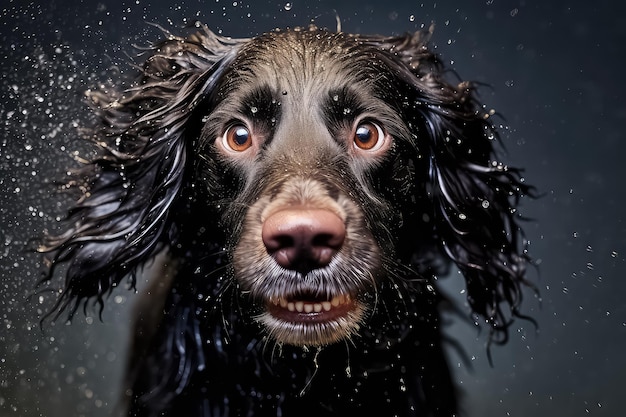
261	106
342	106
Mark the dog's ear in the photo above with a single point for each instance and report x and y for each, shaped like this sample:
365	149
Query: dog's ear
474	196
122	217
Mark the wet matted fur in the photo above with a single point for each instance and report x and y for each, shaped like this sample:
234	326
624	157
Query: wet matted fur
305	189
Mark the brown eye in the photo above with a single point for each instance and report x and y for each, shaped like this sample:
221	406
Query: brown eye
238	138
368	136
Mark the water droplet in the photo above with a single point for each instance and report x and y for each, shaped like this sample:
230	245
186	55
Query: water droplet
288	6
412	18
402	385
485	204
254	109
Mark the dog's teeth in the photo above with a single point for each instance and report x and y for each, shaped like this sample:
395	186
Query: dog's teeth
310	307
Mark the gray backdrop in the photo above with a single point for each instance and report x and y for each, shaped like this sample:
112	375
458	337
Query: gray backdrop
554	71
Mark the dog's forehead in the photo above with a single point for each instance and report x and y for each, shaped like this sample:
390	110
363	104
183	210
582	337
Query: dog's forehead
300	47
303	62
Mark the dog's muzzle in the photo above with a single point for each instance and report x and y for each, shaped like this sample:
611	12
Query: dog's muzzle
307	260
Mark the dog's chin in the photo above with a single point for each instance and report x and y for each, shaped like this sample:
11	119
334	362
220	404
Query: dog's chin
310	321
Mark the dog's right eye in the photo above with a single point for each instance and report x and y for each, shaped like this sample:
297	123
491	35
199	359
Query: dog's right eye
238	138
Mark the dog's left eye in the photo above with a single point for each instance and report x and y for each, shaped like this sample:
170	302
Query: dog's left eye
368	136
238	138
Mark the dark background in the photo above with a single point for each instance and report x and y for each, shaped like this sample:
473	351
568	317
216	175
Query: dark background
554	71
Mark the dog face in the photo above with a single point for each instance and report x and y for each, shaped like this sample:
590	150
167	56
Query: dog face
304	126
332	168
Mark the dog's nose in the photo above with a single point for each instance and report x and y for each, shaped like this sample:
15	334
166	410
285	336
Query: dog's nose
303	239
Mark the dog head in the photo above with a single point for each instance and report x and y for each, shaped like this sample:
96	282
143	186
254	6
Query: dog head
332	168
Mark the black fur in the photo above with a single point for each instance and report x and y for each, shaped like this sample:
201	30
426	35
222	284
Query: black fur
162	184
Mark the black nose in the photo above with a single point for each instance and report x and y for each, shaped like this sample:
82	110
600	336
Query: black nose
302	239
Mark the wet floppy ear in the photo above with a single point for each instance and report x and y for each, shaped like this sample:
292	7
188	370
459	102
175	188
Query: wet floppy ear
475	200
122	218
474	196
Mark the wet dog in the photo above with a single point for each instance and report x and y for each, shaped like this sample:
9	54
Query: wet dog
304	190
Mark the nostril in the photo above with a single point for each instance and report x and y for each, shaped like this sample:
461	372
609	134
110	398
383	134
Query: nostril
274	242
327	239
303	239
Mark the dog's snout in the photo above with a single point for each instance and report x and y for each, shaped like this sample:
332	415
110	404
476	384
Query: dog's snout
303	239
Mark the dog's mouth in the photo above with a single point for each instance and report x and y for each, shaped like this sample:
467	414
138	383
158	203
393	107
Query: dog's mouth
307	309
307	319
